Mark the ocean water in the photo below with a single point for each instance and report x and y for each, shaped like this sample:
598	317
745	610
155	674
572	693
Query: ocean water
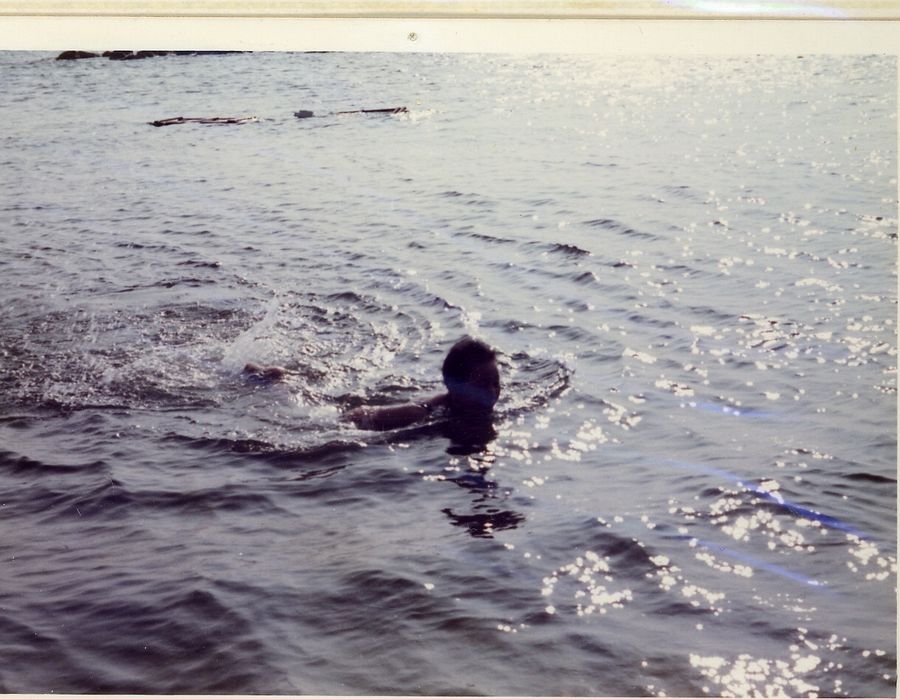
687	264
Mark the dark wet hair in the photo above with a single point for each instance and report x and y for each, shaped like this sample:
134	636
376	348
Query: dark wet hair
464	356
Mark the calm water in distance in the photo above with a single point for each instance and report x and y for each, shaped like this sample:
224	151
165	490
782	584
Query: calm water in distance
688	266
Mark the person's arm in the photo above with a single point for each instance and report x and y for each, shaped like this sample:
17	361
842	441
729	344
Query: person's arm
394	417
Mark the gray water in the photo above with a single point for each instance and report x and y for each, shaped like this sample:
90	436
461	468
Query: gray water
687	264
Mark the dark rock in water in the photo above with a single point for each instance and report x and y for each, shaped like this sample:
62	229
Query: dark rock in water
204	120
135	55
117	55
207	53
151	54
75	55
305	113
388	110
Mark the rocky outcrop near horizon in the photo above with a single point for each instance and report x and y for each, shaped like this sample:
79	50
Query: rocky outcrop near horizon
133	55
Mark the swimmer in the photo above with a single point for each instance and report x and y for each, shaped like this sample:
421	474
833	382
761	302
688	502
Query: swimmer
473	387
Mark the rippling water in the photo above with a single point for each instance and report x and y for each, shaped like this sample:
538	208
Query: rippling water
687	264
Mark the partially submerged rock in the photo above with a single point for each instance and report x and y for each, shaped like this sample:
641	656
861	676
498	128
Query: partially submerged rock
75	55
306	114
388	110
134	55
204	120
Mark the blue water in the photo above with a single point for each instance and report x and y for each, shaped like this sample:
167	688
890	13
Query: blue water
687	264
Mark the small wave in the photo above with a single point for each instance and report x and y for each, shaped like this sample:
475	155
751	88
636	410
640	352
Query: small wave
509	326
586	278
222	444
20	464
106	500
346	296
147	246
201	263
569	249
624	552
682	191
282	455
565	249
165	626
190	282
869	477
377	587
469	199
618	227
229	498
572	333
534	382
492	239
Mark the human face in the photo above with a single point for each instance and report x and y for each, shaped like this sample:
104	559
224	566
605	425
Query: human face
478	393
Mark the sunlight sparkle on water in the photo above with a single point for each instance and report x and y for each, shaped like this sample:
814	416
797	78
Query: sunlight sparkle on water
588	577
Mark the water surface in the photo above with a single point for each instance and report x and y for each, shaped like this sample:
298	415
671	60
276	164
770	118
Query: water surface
688	266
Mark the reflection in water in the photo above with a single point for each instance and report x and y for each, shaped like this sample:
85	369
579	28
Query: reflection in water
470	437
482	526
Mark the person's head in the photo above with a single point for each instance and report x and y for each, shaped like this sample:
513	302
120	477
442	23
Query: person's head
471	376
